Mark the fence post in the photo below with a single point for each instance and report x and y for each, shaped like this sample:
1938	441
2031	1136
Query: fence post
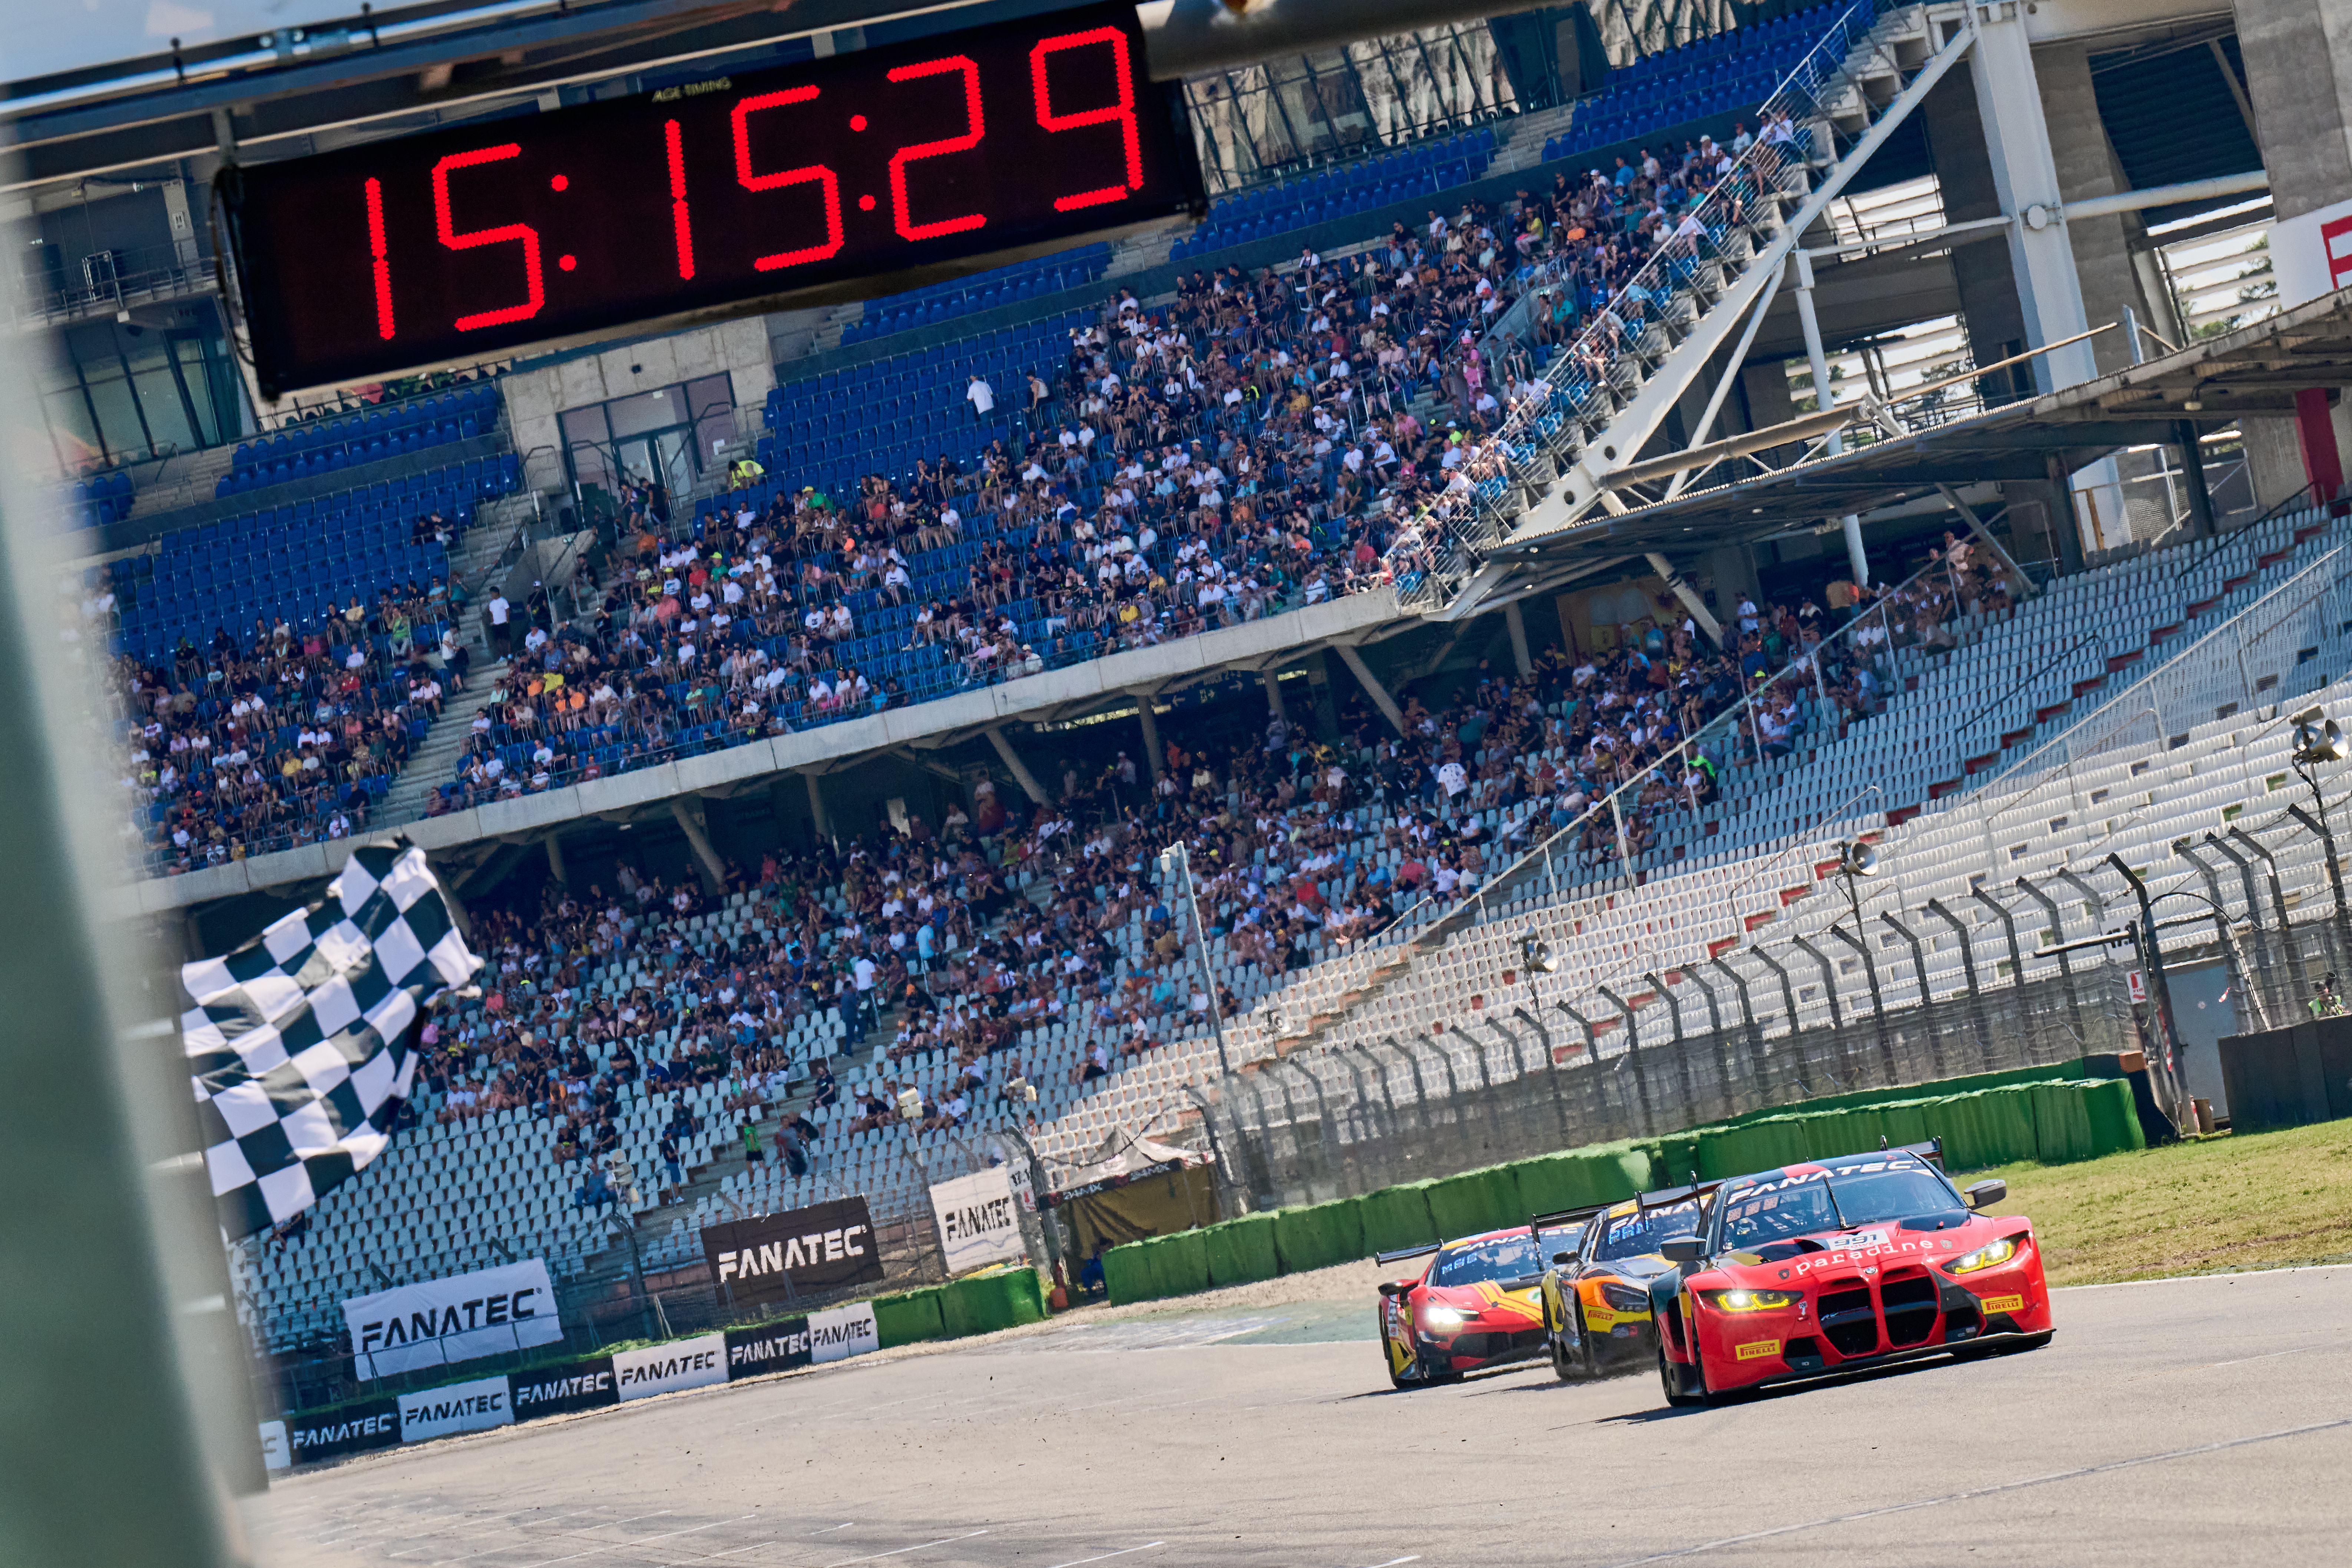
1926	1001
1837	1015
1969	967
1551	1073
1681	1052
2065	960
2286	925
1722	1070
2152	946
2241	975
1796	1031
1591	1050
1634	1057
1877	1003
2016	959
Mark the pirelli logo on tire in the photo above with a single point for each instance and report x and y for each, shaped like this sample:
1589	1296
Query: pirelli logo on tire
2002	1304
1760	1349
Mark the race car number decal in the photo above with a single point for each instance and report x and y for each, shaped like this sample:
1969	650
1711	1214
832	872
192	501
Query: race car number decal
1757	1350
2003	1303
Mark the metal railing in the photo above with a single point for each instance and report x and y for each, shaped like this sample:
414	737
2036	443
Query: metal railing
112	280
1629	337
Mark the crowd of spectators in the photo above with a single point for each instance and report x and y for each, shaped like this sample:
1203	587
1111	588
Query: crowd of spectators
281	736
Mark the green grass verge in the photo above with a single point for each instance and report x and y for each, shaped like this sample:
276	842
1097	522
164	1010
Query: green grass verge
2253	1200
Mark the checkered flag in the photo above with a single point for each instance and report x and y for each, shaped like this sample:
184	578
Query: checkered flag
298	1040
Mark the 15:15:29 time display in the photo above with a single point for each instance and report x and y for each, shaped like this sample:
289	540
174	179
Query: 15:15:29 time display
834	178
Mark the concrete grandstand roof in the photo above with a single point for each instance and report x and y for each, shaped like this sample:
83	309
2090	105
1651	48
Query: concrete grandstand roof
473	834
2255	371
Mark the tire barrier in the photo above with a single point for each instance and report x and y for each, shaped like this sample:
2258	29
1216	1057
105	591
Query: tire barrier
1987	1118
976	1304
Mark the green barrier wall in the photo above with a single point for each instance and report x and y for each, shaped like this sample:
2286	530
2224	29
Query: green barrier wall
1241	1250
908	1317
1316	1235
1475	1201
1127	1274
2115	1124
987	1302
1398	1217
1179	1263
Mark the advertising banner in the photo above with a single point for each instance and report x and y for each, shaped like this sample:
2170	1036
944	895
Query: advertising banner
347	1429
456	1407
771	1347
667	1368
842	1332
565	1387
441	1322
779	1257
2311	254
979	1224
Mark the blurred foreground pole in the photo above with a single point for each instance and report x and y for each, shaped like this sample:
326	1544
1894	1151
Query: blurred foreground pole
102	1247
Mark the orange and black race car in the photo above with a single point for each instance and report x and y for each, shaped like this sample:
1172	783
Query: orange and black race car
1596	1296
1471	1304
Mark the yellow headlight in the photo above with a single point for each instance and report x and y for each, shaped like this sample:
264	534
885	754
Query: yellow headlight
1985	1257
1752	1301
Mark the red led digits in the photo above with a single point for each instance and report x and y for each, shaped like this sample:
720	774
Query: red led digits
808	174
907	227
528	235
681	227
1123	111
382	264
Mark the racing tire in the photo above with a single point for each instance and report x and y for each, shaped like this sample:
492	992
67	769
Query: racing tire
1564	1366
1670	1377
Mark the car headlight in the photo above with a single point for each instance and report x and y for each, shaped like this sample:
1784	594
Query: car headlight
1985	1257
1444	1318
1751	1300
1625	1298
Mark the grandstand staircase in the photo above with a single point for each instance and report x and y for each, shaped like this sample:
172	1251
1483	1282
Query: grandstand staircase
1522	147
1561	474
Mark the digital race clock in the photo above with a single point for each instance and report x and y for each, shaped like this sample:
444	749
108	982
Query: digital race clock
832	179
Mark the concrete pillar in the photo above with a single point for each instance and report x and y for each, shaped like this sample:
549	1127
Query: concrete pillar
1825	398
555	860
1020	773
1372	687
1687	592
1318	688
1518	628
1988	306
1272	682
2041	255
687	810
1151	722
818	817
183	222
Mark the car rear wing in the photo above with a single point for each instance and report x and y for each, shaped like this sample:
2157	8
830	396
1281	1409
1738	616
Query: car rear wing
1424	1250
1932	1151
1666	1197
1560	1219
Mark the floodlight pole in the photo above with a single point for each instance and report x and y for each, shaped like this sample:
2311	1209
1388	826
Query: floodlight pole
1174	857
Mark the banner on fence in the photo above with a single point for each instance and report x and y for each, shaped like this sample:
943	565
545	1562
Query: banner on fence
346	1429
781	1256
561	1389
443	1412
771	1347
842	1332
979	1224
440	1322
667	1368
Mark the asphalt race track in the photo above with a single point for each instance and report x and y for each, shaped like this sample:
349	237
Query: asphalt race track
2204	1420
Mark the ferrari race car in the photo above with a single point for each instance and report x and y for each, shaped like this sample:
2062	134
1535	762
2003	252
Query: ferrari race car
1472	1304
1596	1296
1834	1264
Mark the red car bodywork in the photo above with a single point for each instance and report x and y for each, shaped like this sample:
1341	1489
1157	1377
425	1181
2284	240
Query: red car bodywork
1486	1322
1825	1299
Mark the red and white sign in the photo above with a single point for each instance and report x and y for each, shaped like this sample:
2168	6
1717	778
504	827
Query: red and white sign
2136	983
2311	254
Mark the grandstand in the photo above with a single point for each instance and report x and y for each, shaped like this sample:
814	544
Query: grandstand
1051	946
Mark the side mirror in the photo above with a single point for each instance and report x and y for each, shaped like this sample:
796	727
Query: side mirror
1984	1194
1394	1287
1682	1250
1563	1258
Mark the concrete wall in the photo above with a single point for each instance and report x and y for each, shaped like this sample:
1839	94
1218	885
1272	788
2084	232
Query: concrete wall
535	396
2298	56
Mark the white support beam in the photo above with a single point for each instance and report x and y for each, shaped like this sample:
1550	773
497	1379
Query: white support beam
1372	687
1519	630
1020	773
1687	592
1824	400
687	811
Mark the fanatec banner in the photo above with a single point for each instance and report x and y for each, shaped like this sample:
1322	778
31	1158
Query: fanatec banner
782	1256
979	1223
441	1322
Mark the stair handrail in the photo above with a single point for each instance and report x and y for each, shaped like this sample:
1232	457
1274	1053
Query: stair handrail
1454	531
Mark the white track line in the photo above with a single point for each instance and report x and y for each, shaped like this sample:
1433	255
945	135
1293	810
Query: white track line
2199	1279
923	1546
1993	1490
641	1541
1107	1556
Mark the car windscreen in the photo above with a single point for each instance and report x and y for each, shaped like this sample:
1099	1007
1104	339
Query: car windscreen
1844	1198
1505	1257
1647	1230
